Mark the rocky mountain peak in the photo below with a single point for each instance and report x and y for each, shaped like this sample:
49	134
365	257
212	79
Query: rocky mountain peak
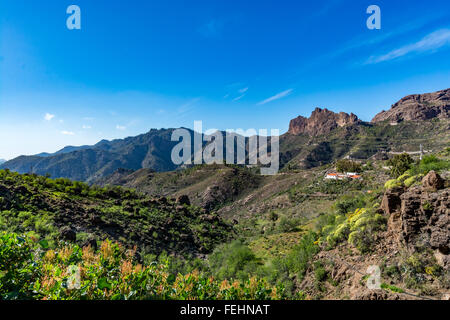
321	121
418	107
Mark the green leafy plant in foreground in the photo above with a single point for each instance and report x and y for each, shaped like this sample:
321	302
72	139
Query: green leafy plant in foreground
27	271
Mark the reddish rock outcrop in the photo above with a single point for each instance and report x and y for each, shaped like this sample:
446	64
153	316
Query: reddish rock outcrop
321	121
418	107
423	216
391	200
433	181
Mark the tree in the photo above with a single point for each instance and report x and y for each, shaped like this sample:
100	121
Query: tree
344	165
400	163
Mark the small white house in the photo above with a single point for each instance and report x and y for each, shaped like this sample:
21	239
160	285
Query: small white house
342	176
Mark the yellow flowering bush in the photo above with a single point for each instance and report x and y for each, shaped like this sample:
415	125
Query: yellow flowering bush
356	227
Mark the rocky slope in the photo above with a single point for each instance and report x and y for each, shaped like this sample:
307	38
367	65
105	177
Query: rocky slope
418	107
208	186
412	253
61	209
420	216
321	121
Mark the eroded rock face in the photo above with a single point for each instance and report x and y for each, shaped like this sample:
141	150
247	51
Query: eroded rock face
183	199
425	218
418	107
212	196
433	181
321	121
391	200
422	219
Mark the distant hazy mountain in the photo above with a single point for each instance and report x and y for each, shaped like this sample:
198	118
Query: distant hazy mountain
2	161
66	149
314	141
87	163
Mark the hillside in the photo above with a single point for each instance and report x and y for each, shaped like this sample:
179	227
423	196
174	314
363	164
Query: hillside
311	238
64	210
149	150
362	141
208	186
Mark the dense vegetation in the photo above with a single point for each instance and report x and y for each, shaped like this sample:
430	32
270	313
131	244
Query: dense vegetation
132	246
407	172
70	272
344	165
41	207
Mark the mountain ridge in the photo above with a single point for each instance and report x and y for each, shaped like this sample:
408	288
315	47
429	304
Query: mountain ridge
321	121
418	107
320	139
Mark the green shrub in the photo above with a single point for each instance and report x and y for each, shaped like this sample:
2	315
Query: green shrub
110	273
359	229
392	184
428	163
349	203
288	224
404	176
412	180
345	165
320	274
18	272
233	261
391	288
299	259
400	163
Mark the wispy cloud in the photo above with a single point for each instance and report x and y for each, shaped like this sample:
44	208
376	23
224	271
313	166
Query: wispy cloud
277	96
239	97
121	128
49	116
363	42
430	43
67	133
237	93
86	127
187	108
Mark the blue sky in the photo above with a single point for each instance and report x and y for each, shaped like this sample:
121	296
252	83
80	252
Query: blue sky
136	65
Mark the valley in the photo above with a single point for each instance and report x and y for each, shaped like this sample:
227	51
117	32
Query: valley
134	216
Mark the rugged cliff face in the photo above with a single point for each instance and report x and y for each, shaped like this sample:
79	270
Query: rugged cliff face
420	216
418	107
320	122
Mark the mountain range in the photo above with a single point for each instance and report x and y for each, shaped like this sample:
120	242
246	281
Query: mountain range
320	139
